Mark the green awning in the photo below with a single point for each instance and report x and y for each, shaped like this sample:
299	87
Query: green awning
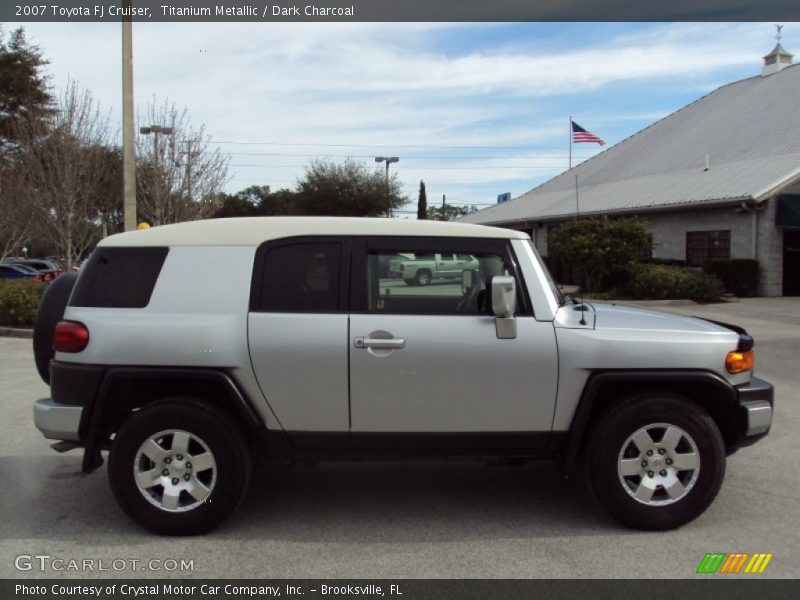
788	211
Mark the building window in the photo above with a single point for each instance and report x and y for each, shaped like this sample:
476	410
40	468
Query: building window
703	246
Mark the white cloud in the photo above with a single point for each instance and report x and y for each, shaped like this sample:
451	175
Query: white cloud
385	84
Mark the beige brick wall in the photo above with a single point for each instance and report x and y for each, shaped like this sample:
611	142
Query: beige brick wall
770	251
669	237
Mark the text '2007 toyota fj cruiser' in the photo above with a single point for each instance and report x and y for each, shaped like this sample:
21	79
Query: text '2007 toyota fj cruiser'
187	350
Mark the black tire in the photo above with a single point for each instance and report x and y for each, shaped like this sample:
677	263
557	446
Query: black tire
608	440
224	440
423	277
51	311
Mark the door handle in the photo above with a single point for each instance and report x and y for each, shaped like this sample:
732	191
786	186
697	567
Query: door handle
384	344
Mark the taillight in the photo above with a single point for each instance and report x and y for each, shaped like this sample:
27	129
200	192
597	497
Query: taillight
48	277
739	362
70	336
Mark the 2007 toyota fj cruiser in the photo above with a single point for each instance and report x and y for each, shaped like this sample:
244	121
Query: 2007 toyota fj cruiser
187	350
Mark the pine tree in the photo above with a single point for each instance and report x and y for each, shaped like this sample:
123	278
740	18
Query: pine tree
422	203
25	97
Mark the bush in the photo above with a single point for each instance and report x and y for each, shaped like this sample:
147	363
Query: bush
554	267
19	300
672	262
664	282
738	275
594	252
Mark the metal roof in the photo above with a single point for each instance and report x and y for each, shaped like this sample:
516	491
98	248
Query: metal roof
749	129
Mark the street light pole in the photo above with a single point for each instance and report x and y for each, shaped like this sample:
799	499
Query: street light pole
388	160
190	154
156	130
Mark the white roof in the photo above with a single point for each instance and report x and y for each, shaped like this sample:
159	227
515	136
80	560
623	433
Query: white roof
749	129
252	231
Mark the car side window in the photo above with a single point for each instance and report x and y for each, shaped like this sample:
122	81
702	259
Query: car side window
412	283
301	277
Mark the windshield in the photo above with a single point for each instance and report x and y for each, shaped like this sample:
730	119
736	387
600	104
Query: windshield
559	296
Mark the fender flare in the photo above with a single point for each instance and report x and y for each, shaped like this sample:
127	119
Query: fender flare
597	380
93	420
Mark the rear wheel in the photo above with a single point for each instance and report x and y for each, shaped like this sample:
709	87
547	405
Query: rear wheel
179	467
656	461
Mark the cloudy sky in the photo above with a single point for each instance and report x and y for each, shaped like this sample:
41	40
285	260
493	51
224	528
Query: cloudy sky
475	110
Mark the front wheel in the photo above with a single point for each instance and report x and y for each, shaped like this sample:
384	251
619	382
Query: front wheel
423	277
179	467
656	461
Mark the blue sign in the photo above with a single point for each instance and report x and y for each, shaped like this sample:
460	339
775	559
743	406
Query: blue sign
503	198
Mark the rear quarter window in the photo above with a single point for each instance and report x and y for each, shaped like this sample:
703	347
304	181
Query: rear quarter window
119	278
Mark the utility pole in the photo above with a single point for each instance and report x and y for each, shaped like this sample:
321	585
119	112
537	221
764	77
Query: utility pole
128	157
444	204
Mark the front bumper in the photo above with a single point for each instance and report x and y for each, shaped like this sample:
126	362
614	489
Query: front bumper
57	421
756	402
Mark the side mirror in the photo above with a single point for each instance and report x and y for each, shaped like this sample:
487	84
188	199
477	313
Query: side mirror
504	304
504	296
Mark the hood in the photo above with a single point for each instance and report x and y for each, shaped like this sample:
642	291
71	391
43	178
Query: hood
615	316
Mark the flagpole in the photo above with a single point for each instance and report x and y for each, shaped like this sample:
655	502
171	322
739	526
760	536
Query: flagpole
570	142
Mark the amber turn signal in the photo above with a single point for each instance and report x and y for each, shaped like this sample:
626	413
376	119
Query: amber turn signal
738	362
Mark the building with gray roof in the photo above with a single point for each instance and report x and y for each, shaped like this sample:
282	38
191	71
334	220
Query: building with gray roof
719	178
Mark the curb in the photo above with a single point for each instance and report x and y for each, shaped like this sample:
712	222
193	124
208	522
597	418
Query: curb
16	333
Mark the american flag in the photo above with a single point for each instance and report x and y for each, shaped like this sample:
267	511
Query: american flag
579	134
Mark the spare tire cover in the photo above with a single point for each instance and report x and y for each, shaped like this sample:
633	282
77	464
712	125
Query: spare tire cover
51	311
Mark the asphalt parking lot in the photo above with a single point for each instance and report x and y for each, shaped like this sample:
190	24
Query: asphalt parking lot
414	520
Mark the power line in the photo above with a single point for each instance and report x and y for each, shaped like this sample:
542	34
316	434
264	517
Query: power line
324	145
404	157
268	180
416	168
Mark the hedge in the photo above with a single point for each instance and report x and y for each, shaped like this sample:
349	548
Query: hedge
665	282
739	276
671	262
19	300
593	252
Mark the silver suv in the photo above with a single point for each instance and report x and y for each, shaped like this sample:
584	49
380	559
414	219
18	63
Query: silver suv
188	351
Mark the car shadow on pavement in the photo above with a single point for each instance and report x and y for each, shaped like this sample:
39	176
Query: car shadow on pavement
418	502
362	502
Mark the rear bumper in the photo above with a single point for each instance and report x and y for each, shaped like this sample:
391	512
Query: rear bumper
756	400
57	421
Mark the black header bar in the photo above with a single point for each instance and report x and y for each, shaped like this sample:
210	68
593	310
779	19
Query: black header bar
708	587
397	10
